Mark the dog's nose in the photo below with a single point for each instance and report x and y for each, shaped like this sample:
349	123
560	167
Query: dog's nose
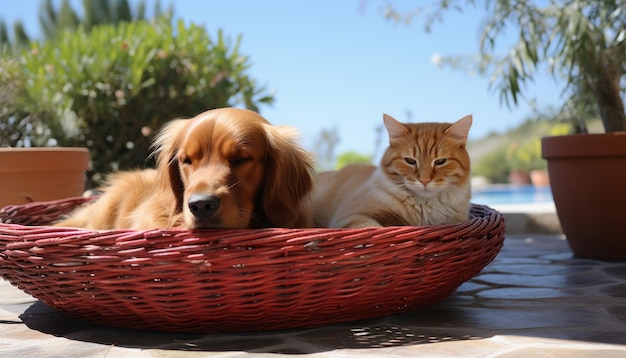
203	206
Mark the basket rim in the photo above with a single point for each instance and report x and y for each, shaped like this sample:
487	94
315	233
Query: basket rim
9	210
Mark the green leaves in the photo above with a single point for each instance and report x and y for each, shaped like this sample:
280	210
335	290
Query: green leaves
112	87
580	42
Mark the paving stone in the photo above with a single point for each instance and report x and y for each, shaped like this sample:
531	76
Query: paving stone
534	300
513	293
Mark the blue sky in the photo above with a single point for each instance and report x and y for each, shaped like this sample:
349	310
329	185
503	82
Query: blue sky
341	64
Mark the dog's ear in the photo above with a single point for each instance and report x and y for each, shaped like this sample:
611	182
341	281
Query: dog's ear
165	147
288	179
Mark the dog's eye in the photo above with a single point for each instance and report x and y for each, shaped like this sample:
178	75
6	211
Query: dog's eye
240	160
185	160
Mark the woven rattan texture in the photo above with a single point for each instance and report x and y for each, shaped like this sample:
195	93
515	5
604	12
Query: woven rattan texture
239	280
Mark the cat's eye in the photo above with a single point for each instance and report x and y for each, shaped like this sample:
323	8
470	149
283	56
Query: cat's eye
440	161
410	161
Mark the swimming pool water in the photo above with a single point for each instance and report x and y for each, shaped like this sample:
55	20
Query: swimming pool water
512	195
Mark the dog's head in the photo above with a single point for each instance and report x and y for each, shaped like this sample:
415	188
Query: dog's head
230	168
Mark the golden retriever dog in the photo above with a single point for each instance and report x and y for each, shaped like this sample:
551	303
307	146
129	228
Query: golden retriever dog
226	168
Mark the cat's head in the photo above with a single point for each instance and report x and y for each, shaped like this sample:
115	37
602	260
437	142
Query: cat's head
428	158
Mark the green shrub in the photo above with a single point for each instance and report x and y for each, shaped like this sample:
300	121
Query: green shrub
525	155
352	157
111	88
493	166
15	122
520	149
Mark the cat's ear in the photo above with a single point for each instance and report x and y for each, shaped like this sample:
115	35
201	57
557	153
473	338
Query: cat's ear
460	128
394	128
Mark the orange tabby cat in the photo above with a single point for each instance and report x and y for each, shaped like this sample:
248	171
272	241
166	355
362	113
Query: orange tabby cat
423	179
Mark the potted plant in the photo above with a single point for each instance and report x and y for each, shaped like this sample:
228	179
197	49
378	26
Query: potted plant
32	173
583	42
588	171
115	85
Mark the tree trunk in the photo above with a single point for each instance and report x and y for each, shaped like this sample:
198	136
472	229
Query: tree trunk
605	86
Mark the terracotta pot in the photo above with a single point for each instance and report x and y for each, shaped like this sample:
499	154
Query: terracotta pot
588	181
519	177
539	177
40	174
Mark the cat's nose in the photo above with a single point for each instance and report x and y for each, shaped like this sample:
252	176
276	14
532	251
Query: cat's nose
425	181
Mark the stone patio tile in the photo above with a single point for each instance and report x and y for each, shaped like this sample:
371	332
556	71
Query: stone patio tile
534	299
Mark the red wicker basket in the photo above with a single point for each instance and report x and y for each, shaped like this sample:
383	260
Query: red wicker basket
239	280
